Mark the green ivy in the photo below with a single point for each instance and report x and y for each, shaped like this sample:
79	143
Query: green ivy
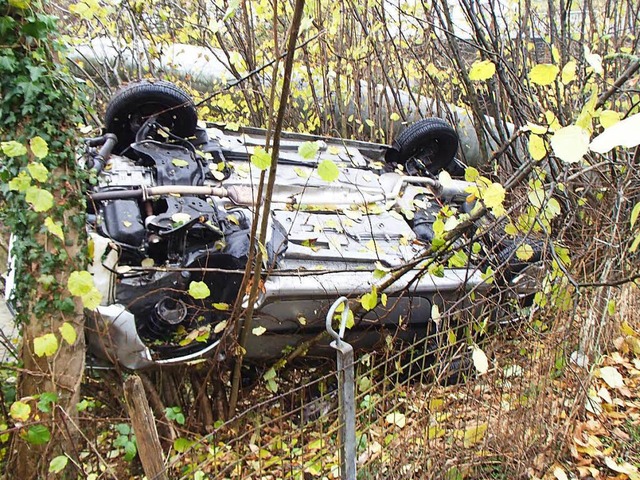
40	107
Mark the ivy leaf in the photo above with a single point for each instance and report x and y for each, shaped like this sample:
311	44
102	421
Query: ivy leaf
46	344
308	150
482	70
38	435
20	411
570	143
39	148
20	183
13	148
543	74
58	464
68	333
199	290
54	228
40	199
328	171
261	159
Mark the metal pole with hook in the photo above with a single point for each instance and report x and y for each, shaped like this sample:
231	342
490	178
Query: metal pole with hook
346	390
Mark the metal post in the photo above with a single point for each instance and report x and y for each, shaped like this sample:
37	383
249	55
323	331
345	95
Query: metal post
346	391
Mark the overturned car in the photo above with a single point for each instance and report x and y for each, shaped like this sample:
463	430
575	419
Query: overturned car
170	220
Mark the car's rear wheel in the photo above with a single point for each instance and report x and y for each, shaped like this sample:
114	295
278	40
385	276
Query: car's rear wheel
134	104
429	144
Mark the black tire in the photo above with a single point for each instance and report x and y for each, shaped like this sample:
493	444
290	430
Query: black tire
132	105
431	140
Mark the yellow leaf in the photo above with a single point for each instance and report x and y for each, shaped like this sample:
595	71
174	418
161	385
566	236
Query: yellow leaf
20	411
46	344
537	147
569	72
39	147
68	333
396	418
543	74
482	70
474	434
524	252
608	118
54	228
570	143
258	331
594	60
480	360
220	326
493	197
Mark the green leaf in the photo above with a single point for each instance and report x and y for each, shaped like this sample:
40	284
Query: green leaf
328	171
21	4
38	435
130	451
58	463
482	70
39	148
13	148
68	333
80	283
46	344
54	228
369	300
199	290
261	159
40	199
544	74
181	445
46	400
308	150
20	411
38	171
178	162
20	183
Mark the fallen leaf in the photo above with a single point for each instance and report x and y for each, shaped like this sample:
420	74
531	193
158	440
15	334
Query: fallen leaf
612	377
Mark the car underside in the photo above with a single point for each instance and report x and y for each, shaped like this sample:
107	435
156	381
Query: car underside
170	221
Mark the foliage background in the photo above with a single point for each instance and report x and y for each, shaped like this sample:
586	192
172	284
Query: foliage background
362	71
